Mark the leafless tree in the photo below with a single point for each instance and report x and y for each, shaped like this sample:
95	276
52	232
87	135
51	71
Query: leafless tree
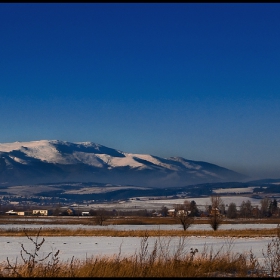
216	201
215	218
183	214
185	219
101	216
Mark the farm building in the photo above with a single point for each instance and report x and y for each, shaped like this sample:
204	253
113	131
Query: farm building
40	212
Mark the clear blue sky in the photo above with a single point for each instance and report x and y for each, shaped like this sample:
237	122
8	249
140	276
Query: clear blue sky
201	81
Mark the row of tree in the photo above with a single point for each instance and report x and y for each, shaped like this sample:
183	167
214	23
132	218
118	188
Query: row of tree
267	208
216	211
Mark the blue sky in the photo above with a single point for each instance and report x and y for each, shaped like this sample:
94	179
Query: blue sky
196	80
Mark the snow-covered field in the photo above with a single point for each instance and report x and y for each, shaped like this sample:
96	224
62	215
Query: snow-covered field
156	204
235	190
85	247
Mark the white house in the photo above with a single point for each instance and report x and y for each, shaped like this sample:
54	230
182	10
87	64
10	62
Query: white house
11	212
40	212
171	212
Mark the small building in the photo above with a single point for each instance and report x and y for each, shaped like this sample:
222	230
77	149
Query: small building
215	212
181	213
85	213
70	211
11	212
40	212
204	214
19	213
171	212
156	214
174	213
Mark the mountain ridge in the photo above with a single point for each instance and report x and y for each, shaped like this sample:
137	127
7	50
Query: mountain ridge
52	161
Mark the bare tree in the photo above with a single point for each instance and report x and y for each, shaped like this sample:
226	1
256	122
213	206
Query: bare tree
183	214
216	201
101	216
215	218
185	219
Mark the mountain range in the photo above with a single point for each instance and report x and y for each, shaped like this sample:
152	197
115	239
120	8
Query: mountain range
54	161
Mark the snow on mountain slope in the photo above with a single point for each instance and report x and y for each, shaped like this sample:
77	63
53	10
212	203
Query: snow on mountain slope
118	162
42	150
153	160
46	151
59	161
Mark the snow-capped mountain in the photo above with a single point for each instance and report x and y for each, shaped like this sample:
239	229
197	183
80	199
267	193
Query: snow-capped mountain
56	161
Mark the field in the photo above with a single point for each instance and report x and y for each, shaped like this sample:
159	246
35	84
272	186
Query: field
136	253
86	226
138	246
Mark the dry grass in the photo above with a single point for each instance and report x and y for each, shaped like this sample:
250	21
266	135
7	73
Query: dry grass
129	220
140	233
135	267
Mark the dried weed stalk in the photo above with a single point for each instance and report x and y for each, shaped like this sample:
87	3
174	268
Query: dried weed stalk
32	261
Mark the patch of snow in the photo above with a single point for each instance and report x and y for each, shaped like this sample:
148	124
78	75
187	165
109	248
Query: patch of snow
210	173
155	161
45	150
187	164
88	158
91	190
8	147
19	160
119	161
156	204
235	190
83	247
29	190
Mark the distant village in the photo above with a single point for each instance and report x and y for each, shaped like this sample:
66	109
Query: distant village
9	206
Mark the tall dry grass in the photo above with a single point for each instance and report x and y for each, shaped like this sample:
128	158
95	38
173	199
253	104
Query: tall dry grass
124	220
139	233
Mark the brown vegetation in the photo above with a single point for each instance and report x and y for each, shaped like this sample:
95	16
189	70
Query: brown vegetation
125	220
140	233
